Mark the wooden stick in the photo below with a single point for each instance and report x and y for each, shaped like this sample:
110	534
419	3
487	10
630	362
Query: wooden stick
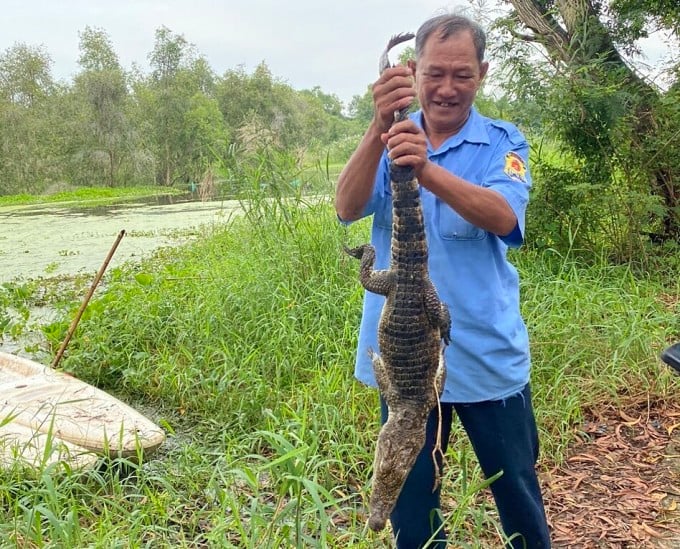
83	305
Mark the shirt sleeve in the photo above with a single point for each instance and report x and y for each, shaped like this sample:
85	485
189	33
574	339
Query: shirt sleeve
381	188
508	174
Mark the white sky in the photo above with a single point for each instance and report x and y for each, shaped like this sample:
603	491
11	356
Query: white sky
334	45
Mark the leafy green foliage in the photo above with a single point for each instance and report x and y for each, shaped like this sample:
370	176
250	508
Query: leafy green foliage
27	115
610	191
632	17
361	107
172	127
103	89
184	124
25	77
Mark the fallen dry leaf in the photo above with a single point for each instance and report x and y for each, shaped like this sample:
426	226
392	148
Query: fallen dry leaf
672	428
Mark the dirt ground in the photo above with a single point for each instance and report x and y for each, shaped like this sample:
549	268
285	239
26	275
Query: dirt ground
620	485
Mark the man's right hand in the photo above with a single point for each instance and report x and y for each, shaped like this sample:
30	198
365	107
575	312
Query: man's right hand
393	91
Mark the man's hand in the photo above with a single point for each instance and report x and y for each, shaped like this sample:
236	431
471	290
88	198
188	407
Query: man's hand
407	145
393	91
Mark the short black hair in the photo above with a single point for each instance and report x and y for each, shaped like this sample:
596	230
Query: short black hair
448	25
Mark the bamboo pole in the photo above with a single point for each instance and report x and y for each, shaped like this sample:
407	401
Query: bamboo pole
83	305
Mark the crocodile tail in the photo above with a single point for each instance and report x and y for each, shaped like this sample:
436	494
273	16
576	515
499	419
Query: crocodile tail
395	40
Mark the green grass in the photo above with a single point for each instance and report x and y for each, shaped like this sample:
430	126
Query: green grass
90	196
242	345
596	332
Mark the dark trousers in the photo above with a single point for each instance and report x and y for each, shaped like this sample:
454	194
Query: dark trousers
504	437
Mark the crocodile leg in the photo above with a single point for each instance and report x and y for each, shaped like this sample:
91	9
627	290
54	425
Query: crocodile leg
437	312
378	282
382	376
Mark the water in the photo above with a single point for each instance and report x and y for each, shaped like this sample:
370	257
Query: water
52	240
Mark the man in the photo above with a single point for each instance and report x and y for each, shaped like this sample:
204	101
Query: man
474	188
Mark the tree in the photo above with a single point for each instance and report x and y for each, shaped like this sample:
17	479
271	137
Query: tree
27	138
361	107
181	120
205	136
633	17
25	74
608	115
330	102
166	101
103	89
171	52
257	104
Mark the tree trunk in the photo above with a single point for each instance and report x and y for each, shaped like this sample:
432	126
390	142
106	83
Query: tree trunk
168	177
581	40
111	168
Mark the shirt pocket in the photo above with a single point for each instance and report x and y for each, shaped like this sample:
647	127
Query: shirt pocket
453	227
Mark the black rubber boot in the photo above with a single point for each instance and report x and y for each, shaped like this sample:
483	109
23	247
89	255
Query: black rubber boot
671	356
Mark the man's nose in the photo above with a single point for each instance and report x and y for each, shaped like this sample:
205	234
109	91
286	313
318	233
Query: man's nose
447	86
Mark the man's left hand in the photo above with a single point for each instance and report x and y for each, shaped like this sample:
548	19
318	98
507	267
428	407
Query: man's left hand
407	145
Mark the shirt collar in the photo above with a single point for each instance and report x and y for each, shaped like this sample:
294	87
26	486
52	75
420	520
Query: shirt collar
473	131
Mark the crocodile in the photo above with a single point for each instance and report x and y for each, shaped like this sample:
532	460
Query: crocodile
413	331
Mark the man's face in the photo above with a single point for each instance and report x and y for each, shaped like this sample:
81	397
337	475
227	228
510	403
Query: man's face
448	76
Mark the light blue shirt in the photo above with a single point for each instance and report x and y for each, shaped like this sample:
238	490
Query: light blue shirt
488	358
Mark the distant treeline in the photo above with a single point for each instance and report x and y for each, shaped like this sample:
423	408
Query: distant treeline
115	127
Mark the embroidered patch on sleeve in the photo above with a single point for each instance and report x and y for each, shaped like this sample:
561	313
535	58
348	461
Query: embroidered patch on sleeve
515	167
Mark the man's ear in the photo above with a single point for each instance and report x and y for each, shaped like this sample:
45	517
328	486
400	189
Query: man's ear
483	70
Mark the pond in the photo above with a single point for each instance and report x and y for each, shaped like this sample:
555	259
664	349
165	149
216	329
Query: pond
57	239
